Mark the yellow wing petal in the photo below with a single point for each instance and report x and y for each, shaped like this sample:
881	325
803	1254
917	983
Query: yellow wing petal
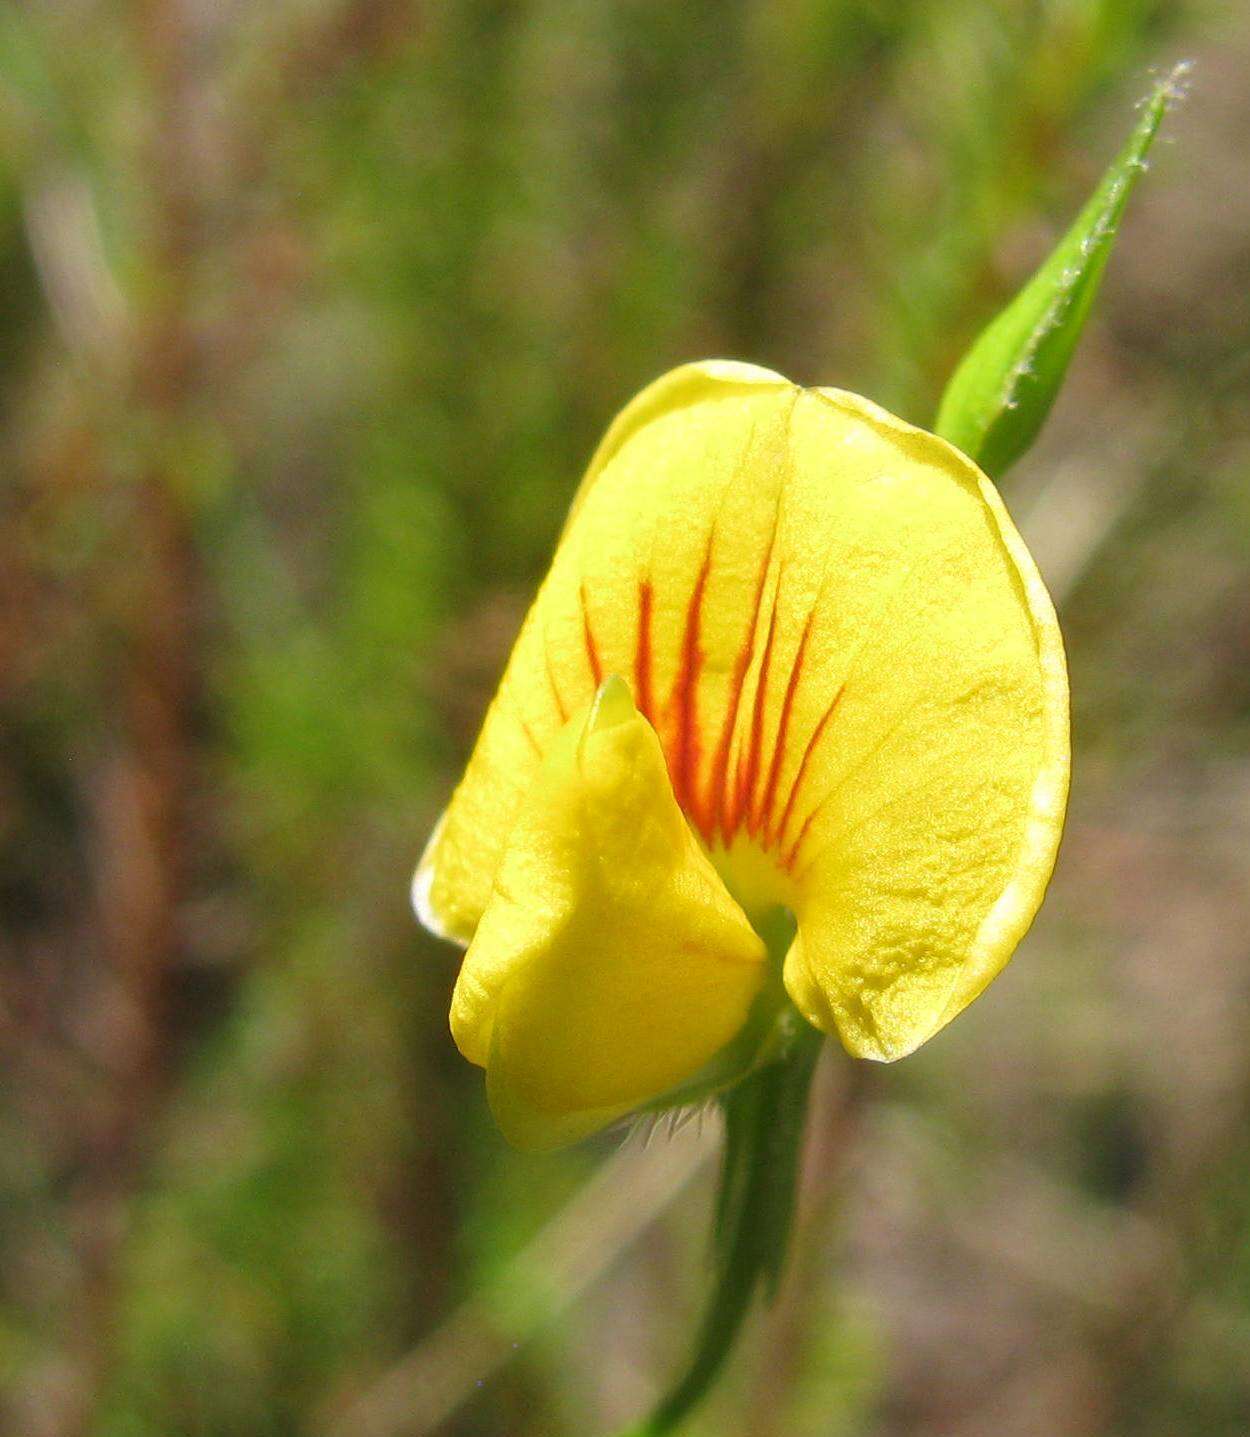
610	963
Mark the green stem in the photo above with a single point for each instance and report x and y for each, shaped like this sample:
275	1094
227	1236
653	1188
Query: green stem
764	1123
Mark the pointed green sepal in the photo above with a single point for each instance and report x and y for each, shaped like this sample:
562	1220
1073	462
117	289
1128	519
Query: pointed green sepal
1005	385
764	1124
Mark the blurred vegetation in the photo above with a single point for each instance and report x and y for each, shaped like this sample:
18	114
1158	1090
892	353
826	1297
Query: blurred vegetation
311	313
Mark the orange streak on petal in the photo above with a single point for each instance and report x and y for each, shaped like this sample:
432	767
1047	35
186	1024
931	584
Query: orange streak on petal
555	687
685	698
588	635
718	788
529	734
788	860
783	725
642	655
747	782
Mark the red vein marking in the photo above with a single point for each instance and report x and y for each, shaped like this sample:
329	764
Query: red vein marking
788	860
588	635
717	791
783	724
642	655
685	698
747	781
529	734
555	687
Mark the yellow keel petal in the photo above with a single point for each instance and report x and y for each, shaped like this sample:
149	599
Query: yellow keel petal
610	963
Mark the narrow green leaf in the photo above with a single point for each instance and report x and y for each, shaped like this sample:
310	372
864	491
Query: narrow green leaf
1005	385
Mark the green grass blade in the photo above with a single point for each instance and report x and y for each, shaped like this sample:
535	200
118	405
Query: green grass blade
1005	385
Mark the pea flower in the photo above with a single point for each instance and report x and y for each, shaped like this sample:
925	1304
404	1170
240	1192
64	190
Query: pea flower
791	654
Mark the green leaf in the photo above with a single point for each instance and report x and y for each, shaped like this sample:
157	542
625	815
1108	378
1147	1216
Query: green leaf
1005	385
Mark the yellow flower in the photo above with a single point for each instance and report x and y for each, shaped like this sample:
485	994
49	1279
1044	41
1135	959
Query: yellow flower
841	691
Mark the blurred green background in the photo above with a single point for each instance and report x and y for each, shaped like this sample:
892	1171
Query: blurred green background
311	313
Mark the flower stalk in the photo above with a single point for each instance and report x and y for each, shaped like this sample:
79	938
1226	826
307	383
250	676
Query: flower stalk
765	1120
